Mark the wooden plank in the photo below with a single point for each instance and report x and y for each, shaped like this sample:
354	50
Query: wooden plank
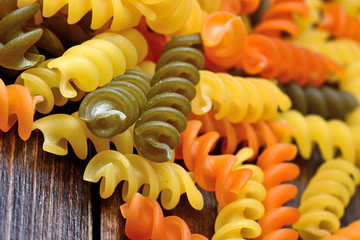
41	195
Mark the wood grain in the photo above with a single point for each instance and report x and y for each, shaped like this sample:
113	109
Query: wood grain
42	196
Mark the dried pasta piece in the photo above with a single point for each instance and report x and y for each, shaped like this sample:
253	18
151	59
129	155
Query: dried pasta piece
87	66
237	220
212	172
254	135
276	171
145	220
238	98
325	198
329	135
56	136
156	131
17	49
112	109
17	105
224	38
169	179
325	101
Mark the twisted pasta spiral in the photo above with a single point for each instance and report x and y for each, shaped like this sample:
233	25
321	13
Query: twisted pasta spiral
238	98
325	101
352	7
279	18
338	23
328	135
17	49
168	178
145	220
17	105
325	197
56	137
112	109
89	65
276	171
254	135
212	173
156	132
237	220
271	57
352	231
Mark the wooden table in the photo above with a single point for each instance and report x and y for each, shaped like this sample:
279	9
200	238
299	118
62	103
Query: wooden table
44	196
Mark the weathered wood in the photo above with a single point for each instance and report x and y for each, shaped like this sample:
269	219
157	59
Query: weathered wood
42	196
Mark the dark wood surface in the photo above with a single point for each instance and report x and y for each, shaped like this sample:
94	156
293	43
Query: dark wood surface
43	196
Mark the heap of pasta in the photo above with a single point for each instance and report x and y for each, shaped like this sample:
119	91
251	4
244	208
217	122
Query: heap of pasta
163	81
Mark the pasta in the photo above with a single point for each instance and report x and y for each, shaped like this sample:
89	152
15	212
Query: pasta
325	101
325	197
237	220
108	53
212	173
352	231
271	161
352	7
238	98
156	132
147	213
169	179
279	18
112	109
254	135
338	23
56	137
17	49
226	46
329	135
17	105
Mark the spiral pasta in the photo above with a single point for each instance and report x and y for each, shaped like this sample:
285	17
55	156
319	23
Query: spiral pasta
325	197
276	171
238	98
272	57
17	49
279	18
212	173
89	65
145	220
338	23
325	101
156	132
329	136
56	137
17	105
237	220
169	179
255	135
112	109
352	231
